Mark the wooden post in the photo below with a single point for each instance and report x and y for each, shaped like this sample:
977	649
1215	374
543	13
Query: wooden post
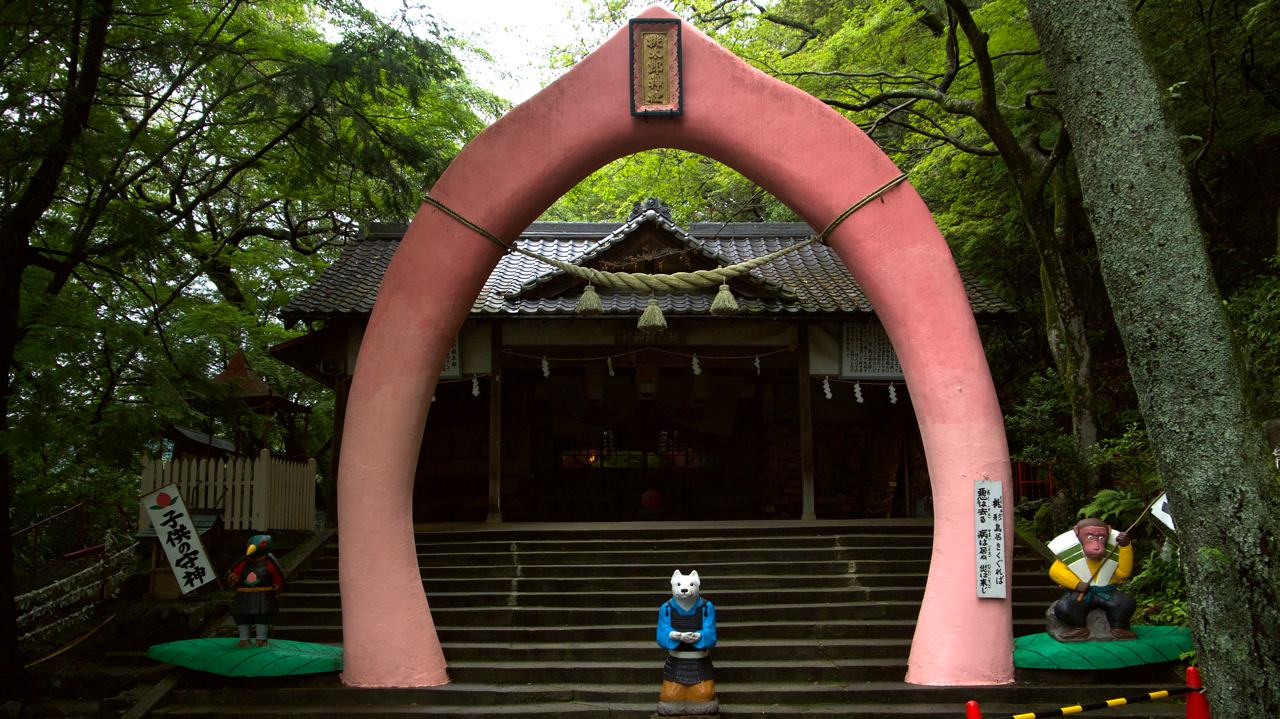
907	446
146	485
805	410
261	490
309	495
495	426
341	390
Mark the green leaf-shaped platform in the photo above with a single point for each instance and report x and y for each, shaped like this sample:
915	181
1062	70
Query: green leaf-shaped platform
220	655
1153	645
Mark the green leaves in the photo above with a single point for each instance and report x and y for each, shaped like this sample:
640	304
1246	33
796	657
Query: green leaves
231	149
697	188
1254	310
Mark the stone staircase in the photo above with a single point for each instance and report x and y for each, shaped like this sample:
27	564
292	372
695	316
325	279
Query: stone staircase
815	619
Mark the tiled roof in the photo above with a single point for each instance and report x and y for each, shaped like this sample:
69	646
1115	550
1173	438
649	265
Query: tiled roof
618	234
819	281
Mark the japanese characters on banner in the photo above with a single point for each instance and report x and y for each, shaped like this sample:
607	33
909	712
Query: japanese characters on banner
988	516
178	537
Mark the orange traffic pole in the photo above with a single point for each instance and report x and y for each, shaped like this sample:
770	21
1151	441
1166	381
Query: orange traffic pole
1197	705
971	711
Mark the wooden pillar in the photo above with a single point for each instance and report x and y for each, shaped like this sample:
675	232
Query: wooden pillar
341	390
910	510
495	426
263	491
805	410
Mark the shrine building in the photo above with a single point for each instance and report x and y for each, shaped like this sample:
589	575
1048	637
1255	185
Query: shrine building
793	406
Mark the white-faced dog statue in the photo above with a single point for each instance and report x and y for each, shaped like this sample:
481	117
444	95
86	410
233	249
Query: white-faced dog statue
687	630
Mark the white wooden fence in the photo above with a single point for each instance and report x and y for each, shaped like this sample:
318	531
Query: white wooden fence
253	492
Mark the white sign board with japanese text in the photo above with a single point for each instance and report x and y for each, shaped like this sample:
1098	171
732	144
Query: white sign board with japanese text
866	353
178	536
988	523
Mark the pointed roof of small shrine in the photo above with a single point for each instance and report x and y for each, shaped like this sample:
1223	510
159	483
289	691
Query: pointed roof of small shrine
246	384
656	213
242	378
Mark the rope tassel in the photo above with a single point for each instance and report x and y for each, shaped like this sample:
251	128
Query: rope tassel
724	303
652	320
589	303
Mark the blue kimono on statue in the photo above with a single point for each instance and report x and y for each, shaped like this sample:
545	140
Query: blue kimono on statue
703	611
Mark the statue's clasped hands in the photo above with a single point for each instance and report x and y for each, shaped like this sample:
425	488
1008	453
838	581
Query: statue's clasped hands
686	637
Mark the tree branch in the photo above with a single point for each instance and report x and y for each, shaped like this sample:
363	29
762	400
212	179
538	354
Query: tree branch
1061	148
950	104
82	88
927	17
947	138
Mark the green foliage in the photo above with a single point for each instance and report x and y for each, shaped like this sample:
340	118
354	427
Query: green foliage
1114	506
230	150
1129	460
1043	524
1039	427
697	188
1129	463
1254	310
1221	63
1160	591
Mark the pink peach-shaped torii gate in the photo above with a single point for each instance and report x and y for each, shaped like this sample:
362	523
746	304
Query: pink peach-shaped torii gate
808	156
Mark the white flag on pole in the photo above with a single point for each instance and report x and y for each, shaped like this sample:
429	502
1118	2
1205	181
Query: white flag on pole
1160	510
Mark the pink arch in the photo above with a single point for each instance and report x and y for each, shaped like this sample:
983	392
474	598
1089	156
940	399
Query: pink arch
792	145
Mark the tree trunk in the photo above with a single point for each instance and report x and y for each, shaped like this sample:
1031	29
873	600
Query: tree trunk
10	657
1067	334
1210	449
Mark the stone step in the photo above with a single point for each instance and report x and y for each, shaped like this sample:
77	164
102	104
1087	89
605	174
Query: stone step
687	530
797	631
724	599
780	650
607	710
459	694
438	545
579	584
685	558
328	569
499	671
560	616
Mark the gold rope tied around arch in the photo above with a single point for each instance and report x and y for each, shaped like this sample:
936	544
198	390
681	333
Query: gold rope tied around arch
673	282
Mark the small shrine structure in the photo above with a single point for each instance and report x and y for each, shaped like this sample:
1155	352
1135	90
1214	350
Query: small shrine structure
792	406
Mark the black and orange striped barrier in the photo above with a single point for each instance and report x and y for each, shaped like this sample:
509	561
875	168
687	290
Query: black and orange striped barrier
1197	705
